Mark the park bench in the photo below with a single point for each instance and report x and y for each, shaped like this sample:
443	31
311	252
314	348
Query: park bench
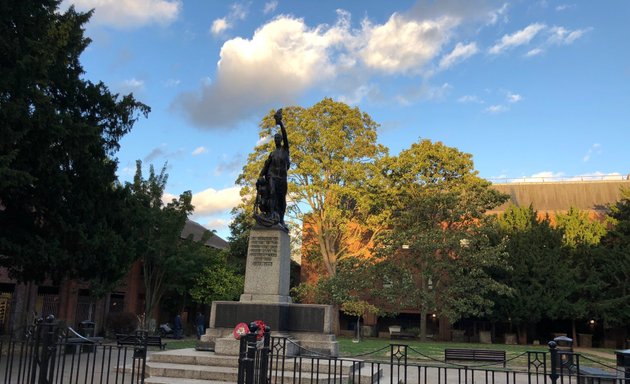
75	341
150	341
475	355
592	375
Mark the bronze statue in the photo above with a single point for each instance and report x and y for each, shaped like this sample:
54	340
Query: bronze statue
271	186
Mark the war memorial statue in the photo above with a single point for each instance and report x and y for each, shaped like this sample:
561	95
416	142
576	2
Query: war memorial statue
271	187
267	273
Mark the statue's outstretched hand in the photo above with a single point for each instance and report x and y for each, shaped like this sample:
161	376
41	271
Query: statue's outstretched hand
278	116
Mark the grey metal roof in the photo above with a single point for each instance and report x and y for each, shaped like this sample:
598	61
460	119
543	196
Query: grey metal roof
197	231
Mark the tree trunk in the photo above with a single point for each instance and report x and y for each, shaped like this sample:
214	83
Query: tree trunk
521	330
574	333
423	324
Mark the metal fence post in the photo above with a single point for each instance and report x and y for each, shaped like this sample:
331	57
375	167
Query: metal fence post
553	354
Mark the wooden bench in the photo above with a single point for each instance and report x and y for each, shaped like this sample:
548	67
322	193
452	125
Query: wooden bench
150	341
475	355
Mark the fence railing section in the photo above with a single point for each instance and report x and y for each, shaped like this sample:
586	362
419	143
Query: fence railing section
288	363
49	354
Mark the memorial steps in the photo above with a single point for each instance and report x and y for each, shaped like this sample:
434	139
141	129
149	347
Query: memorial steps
189	366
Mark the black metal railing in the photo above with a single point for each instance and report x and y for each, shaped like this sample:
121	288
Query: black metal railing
50	354
288	362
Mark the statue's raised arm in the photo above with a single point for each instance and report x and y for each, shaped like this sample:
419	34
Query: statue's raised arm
285	140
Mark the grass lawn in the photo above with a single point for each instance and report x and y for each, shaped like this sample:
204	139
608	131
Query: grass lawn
424	351
435	350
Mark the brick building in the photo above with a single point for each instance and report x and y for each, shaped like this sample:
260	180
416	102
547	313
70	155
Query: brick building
71	301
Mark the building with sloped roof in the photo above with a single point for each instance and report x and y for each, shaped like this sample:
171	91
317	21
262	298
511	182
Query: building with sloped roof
71	301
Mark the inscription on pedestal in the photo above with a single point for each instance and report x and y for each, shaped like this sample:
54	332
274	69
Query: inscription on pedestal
263	250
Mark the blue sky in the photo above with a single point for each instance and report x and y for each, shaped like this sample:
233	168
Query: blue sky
530	88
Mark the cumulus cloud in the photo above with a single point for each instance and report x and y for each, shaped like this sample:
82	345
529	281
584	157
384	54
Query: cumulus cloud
403	45
297	57
460	53
524	36
129	13
212	201
294	57
270	7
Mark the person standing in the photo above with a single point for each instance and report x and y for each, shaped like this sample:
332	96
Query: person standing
200	321
178	330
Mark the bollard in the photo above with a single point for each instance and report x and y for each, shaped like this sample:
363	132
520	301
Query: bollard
553	353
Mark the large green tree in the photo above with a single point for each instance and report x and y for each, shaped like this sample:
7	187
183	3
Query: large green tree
614	261
169	263
581	237
435	253
332	177
62	212
540	272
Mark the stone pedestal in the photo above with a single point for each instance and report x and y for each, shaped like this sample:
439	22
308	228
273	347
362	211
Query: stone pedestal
266	297
268	268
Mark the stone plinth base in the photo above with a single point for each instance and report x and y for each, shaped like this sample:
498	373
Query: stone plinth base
309	326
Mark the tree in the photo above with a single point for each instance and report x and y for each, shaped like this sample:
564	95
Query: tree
62	212
435	249
217	282
540	274
359	309
613	260
578	229
333	154
168	262
581	236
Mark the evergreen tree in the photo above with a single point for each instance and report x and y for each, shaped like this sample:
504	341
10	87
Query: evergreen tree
62	212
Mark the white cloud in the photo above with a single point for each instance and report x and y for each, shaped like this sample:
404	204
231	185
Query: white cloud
336	58
132	85
219	26
404	45
513	97
594	149
129	13
172	82
460	53
270	7
294	56
212	201
564	7
238	12
496	14
467	99
524	36
199	151
534	52
497	108
563	36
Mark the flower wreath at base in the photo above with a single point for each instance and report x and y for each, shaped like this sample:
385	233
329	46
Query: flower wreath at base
242	329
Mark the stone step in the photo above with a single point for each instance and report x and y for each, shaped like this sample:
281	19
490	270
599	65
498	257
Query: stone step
203	374
188	371
194	357
177	380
